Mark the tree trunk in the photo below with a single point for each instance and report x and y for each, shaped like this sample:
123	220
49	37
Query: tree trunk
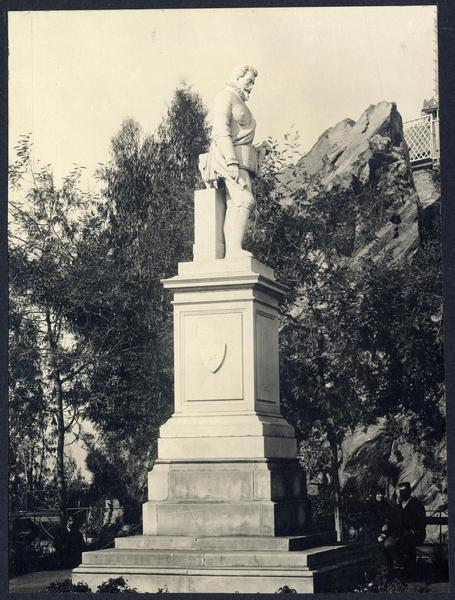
334	462
59	421
110	512
336	490
41	463
60	465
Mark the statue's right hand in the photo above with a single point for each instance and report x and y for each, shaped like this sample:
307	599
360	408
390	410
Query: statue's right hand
234	171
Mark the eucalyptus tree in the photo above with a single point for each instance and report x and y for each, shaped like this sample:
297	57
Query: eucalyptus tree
46	231
29	443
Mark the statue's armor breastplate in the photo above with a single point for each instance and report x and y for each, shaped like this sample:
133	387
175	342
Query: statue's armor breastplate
233	129
232	118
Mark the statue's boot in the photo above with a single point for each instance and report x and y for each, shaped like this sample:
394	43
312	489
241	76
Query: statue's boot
235	224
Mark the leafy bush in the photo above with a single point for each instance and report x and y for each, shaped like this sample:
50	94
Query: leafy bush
24	549
22	559
111	586
285	589
67	586
383	582
322	508
115	585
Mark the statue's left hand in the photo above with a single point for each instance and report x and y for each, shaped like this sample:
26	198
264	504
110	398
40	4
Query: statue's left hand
234	172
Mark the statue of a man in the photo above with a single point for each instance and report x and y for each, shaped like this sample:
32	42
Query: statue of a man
232	156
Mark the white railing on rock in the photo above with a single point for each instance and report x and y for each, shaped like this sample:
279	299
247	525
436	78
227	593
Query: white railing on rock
422	138
435	129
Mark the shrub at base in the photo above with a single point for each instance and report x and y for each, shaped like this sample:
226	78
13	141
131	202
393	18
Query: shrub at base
67	586
114	585
285	589
111	586
383	582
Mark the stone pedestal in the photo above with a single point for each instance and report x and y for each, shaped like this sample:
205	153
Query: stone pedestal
227	508
227	458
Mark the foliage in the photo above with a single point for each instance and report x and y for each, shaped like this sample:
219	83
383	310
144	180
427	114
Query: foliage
24	551
162	590
108	482
29	445
314	454
114	585
383	582
100	526
57	587
285	589
360	486
321	506
46	229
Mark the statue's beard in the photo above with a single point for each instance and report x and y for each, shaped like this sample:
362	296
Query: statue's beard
244	94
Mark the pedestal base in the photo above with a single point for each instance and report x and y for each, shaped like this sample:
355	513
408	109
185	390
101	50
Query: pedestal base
218	498
308	564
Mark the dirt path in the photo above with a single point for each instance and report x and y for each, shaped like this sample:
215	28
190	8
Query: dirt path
36	582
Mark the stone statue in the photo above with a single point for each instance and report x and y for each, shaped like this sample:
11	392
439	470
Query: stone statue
232	157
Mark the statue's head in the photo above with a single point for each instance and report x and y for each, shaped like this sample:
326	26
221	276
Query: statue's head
244	76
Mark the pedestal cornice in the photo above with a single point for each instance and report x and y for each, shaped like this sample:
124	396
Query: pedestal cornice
225	274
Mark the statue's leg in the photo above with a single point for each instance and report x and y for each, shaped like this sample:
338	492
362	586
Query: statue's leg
239	202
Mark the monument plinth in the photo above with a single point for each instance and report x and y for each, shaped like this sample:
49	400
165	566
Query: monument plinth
226	457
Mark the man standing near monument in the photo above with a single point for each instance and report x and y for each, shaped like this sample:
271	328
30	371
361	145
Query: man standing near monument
232	156
406	530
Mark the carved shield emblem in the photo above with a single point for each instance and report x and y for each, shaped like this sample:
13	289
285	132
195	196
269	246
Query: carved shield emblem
212	355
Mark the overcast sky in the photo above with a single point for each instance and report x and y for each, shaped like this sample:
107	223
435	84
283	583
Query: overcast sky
75	75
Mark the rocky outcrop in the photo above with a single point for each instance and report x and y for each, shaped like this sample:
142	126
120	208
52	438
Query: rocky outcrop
368	160
376	445
428	202
353	155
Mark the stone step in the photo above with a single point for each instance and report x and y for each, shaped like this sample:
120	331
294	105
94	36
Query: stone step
277	544
341	568
299	559
207	581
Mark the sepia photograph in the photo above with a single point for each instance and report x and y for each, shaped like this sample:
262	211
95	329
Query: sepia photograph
226	334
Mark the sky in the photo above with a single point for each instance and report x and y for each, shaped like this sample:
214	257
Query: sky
75	75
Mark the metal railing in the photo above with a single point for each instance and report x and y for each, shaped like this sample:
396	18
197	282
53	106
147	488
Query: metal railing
362	526
422	138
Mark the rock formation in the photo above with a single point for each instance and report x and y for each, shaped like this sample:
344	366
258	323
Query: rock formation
369	160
